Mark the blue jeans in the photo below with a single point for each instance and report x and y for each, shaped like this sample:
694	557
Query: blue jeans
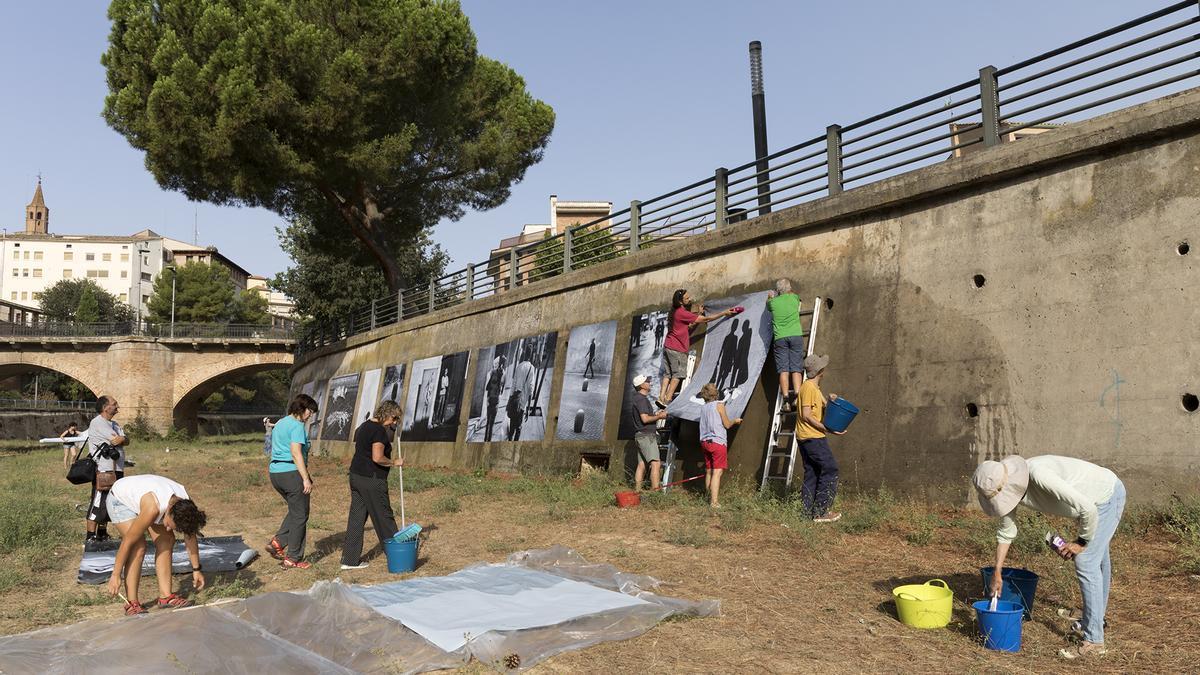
1093	567
820	476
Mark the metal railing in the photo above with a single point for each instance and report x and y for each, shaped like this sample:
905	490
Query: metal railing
1136	61
163	331
44	404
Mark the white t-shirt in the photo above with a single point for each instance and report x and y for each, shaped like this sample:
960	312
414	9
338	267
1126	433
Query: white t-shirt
130	490
103	431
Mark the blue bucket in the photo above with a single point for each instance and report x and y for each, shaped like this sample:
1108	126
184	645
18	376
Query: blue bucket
1020	585
1000	629
401	555
839	414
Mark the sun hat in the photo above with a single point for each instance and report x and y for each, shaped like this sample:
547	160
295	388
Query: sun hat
1001	485
639	380
815	363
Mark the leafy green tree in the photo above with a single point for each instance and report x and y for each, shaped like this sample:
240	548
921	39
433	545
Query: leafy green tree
204	293
251	308
88	309
334	275
379	114
588	247
60	302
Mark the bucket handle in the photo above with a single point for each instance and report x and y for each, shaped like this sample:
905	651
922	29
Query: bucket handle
942	583
907	596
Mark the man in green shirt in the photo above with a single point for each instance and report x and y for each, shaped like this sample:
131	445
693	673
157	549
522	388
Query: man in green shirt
788	346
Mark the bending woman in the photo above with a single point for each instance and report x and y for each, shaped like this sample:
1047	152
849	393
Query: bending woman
293	482
1060	486
368	483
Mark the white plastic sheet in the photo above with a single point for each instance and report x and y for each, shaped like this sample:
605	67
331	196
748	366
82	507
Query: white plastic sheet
331	629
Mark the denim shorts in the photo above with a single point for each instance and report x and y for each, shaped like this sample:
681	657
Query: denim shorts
118	512
789	354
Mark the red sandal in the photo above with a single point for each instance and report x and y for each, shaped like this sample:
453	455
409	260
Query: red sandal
174	601
275	549
288	564
134	608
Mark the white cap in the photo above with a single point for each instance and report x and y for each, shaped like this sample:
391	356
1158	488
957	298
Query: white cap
639	380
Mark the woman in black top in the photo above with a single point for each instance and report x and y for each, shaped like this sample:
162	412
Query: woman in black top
368	482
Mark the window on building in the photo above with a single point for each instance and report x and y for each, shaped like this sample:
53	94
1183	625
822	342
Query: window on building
124	246
89	256
37	296
37	272
37	255
67	273
24	295
27	255
92	274
124	257
14	295
146	277
16	272
106	257
189	258
31	214
68	246
16	255
68	255
103	274
145	299
24	271
124	297
124	274
39	215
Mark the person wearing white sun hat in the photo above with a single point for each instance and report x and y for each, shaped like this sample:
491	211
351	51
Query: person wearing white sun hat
1063	486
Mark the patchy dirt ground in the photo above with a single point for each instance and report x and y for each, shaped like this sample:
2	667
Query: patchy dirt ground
796	597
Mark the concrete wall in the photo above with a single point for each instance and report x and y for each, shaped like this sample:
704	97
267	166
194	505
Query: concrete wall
1079	341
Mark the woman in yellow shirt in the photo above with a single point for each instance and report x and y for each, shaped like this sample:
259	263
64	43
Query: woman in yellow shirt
820	468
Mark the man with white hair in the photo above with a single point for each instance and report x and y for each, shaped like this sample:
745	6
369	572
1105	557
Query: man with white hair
1063	486
788	345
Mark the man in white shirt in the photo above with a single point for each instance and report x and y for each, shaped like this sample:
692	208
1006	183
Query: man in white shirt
522	387
103	430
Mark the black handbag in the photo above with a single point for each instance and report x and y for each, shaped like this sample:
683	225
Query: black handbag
82	470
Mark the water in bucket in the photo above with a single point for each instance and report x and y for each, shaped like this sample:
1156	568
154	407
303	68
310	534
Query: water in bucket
1000	628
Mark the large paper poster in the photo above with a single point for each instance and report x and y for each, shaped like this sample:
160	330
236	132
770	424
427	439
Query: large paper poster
434	399
735	349
367	401
584	396
645	358
314	422
511	396
339	415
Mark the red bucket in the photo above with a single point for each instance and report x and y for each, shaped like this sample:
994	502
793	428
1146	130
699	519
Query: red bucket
628	499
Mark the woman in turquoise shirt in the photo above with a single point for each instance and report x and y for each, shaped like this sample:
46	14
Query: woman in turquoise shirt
291	479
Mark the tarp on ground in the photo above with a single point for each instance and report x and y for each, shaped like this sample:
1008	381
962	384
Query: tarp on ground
217	554
332	628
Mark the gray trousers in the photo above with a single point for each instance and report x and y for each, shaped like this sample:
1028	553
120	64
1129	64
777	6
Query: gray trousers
294	527
368	497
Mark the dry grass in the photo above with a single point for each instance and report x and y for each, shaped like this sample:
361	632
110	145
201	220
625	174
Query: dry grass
795	596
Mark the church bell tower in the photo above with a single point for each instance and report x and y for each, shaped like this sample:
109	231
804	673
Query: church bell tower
37	215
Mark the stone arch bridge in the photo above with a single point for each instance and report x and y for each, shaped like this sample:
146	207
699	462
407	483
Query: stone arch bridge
160	377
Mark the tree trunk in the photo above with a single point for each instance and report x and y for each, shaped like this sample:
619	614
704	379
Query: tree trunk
365	221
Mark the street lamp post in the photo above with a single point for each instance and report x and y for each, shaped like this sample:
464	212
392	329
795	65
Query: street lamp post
173	275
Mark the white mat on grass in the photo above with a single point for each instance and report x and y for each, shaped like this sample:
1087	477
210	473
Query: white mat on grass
449	611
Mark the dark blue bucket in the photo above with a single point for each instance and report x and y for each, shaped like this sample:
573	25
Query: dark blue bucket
839	414
401	555
1020	585
1000	629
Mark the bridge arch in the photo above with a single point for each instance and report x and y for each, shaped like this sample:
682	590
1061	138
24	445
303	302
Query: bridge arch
23	363
199	382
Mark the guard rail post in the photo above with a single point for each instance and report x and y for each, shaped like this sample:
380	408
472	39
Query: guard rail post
568	238
989	103
470	282
513	258
833	157
635	225
721	197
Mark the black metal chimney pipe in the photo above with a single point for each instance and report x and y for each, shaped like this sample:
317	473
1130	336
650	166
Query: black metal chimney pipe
759	104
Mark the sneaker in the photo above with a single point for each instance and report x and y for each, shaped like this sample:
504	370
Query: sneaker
174	601
359	566
661	406
134	608
288	564
275	549
829	517
1083	650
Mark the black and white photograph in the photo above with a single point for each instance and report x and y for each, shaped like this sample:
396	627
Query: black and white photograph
314	422
338	417
645	358
393	384
511	396
586	373
368	388
735	349
435	396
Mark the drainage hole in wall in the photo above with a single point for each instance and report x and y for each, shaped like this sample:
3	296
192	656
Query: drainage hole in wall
1190	402
1183	248
979	280
972	410
828	303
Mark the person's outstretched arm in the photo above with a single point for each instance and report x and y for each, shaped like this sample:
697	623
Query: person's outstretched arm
729	424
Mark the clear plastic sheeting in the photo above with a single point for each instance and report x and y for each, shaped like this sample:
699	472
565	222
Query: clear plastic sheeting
332	629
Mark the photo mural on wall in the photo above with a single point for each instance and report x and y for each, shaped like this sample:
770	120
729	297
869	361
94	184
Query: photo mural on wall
735	349
434	400
367	400
645	358
511	396
339	408
586	374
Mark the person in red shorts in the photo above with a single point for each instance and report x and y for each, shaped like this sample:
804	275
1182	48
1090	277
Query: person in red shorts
714	424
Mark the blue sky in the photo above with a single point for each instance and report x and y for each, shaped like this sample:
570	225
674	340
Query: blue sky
648	95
